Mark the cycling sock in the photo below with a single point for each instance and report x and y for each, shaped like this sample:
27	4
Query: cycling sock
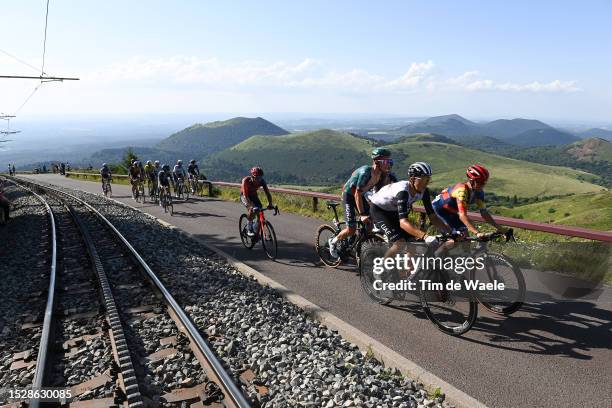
334	240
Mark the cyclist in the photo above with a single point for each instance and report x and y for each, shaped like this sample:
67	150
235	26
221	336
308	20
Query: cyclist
361	181
452	203
105	175
393	202
179	172
164	179
249	198
135	174
194	173
150	174
5	204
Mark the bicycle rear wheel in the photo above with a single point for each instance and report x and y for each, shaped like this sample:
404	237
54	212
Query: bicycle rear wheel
370	282
247	241
324	234
269	242
501	269
451	311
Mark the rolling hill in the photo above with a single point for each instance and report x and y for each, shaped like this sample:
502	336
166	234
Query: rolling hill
542	137
508	128
201	140
596	132
327	157
590	210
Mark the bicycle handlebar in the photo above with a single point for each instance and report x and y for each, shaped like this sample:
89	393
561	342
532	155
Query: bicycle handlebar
509	235
275	208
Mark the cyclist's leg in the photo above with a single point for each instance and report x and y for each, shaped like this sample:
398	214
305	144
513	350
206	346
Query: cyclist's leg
350	209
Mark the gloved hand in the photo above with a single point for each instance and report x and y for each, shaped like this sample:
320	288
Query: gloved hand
430	239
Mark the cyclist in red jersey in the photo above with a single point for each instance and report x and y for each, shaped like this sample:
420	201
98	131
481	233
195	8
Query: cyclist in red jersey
248	195
452	203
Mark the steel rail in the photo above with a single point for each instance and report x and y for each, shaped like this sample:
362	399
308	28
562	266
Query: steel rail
41	359
235	395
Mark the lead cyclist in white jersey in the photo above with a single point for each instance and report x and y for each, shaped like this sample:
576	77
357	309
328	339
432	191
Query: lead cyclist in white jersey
393	202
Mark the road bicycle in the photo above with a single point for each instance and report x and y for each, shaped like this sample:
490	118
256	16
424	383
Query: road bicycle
451	311
195	185
349	248
181	191
106	187
166	200
263	230
138	193
152	189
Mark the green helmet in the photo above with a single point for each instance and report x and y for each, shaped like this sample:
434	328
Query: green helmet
380	152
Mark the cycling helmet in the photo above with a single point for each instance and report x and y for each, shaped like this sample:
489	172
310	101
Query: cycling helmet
192	162
165	167
179	162
156	162
380	152
148	162
419	169
104	165
477	173
136	163
257	171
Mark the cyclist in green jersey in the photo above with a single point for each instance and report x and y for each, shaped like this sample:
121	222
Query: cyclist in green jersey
361	181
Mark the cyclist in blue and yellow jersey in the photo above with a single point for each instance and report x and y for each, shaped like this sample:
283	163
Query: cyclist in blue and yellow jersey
451	205
364	179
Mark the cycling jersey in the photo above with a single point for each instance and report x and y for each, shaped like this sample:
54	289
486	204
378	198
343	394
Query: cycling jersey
105	173
458	197
361	179
135	172
193	169
179	171
397	197
149	170
249	186
163	178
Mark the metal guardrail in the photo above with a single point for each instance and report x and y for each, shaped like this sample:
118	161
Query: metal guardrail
579	232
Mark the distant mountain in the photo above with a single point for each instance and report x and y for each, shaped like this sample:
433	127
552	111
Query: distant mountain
447	125
597	132
542	137
591	150
520	132
507	128
201	140
425	137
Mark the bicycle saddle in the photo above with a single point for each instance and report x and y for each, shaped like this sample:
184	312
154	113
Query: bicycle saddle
332	203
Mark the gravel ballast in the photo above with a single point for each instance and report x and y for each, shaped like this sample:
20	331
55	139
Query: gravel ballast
300	361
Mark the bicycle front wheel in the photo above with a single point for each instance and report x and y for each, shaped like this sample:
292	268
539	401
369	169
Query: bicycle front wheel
269	242
451	311
371	283
500	269
247	241
324	234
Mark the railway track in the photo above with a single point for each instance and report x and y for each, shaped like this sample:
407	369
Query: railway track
115	335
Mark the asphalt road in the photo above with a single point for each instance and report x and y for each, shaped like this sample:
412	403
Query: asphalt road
547	354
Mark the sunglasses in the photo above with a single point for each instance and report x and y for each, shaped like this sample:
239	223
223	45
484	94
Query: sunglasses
388	162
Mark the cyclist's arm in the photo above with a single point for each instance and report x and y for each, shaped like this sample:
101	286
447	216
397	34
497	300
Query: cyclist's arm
245	192
268	195
402	212
359	202
433	217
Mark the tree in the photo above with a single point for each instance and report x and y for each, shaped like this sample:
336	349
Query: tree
128	157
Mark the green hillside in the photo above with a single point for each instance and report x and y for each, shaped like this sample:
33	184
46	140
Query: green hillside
590	210
327	157
320	157
200	140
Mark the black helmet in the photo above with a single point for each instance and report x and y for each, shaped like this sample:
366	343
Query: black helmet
380	152
165	167
192	161
419	169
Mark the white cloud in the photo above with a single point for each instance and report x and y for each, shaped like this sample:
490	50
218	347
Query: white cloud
468	82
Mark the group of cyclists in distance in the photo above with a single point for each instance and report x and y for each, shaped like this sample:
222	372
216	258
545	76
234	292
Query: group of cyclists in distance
158	177
372	192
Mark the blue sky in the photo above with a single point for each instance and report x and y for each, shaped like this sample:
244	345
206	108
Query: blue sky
482	59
